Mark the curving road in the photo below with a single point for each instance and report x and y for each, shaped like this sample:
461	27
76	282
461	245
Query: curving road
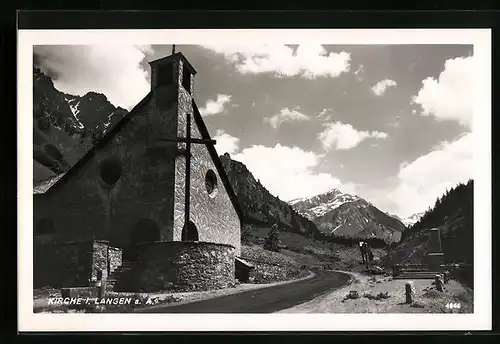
265	300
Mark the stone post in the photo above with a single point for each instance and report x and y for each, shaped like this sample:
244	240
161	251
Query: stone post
410	292
102	276
438	280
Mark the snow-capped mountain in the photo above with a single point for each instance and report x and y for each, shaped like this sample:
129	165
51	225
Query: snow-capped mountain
338	213
411	220
319	205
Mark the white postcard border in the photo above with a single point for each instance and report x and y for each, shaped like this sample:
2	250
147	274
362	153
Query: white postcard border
479	320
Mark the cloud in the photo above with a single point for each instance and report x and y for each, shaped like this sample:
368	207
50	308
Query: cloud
359	72
213	107
422	181
286	115
226	143
115	71
380	87
325	114
308	61
341	136
450	96
292	174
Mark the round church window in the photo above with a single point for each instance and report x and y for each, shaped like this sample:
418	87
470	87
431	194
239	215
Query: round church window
211	183
111	170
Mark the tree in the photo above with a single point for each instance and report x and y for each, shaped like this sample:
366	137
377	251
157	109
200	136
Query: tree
246	232
272	240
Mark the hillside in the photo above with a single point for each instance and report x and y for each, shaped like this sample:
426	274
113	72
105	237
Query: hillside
340	214
64	125
453	215
261	207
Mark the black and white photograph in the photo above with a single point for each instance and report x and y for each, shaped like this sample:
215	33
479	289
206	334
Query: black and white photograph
264	174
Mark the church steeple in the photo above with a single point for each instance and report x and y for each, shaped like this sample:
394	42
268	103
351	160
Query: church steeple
172	70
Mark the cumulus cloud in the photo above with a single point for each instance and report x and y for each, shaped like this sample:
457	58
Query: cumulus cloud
450	96
115	71
380	87
226	143
423	180
308	61
292	174
340	136
286	115
213	107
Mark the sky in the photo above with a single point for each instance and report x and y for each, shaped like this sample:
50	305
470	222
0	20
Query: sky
390	123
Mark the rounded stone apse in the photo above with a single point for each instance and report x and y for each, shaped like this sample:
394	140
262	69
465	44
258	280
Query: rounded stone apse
185	266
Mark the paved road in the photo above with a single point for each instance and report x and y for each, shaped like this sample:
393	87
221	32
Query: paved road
266	300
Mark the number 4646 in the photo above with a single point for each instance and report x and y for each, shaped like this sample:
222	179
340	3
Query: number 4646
453	305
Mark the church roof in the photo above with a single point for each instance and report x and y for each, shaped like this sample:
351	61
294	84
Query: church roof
176	56
244	262
42	186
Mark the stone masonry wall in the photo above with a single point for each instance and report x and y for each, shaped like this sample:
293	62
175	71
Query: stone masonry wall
115	258
213	215
99	258
185	266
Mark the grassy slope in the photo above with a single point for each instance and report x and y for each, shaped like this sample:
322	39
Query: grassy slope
310	252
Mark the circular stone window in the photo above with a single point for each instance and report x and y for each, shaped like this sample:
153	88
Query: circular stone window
211	183
111	170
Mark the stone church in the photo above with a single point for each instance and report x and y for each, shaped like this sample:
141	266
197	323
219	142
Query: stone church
150	203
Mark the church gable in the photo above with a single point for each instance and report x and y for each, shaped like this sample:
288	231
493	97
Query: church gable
213	206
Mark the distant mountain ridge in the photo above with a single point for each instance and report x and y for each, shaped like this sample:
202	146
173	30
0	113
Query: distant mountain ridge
65	126
412	219
319	205
341	214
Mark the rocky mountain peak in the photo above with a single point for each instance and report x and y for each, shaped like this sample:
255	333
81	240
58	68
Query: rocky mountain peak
338	213
67	123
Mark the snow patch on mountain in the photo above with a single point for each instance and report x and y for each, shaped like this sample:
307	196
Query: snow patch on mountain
321	204
411	220
338	213
73	105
